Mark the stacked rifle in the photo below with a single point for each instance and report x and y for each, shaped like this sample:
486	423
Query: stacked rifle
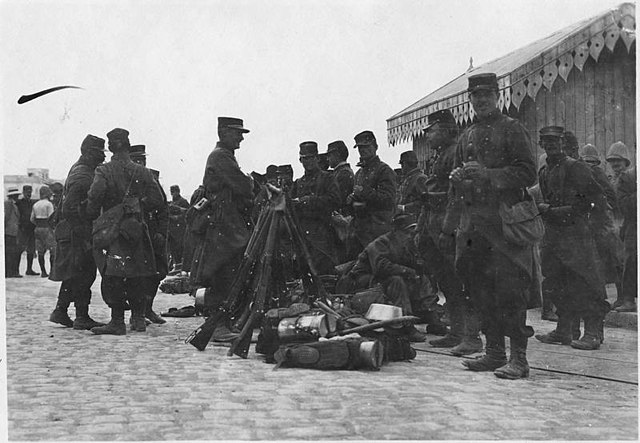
255	282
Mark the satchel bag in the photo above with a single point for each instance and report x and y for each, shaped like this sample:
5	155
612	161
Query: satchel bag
106	228
521	223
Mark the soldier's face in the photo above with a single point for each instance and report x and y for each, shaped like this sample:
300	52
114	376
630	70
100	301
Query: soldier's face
366	151
552	146
27	192
437	136
232	138
96	157
617	165
484	101
310	163
333	159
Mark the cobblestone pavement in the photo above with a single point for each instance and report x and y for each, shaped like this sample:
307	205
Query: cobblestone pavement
71	385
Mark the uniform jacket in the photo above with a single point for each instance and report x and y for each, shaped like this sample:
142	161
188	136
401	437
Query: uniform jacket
627	191
502	145
230	193
124	258
344	177
73	230
379	197
157	220
386	256
24	208
570	189
413	185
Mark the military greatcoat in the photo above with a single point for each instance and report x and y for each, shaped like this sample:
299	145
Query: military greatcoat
414	184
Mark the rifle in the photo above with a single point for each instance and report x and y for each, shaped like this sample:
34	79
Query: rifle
378	324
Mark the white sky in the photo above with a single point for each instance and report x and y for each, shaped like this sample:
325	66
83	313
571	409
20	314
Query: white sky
293	70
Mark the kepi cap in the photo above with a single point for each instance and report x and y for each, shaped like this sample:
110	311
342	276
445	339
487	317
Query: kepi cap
93	143
486	81
365	138
233	123
308	149
408	156
552	131
443	116
138	150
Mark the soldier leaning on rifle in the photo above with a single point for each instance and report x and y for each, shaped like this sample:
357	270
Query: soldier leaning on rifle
128	261
494	165
570	262
74	265
463	338
374	195
315	196
228	195
409	201
157	221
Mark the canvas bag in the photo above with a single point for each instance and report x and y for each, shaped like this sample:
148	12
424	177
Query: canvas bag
106	228
521	223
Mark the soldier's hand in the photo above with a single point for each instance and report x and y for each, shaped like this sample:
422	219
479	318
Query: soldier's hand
446	241
475	171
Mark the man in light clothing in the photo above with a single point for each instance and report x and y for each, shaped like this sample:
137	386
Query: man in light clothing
45	241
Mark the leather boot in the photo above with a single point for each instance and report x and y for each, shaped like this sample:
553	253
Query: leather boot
150	314
116	326
434	324
83	321
137	321
547	308
471	342
493	358
415	336
222	333
575	327
518	367
590	341
60	315
43	269
561	335
456	330
30	270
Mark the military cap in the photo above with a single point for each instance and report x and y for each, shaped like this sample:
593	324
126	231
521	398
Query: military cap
404	220
552	131
442	116
338	147
174	188
138	150
118	134
13	191
365	138
486	81
308	149
285	170
91	142
25	187
272	171
408	157
618	150
589	153
231	122
56	187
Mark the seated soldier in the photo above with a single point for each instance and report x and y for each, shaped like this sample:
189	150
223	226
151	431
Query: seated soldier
391	260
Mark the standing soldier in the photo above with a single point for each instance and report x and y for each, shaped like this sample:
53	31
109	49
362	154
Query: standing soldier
227	196
570	263
463	338
11	221
74	265
374	194
337	153
177	223
494	166
627	192
26	232
618	160
157	221
128	261
315	195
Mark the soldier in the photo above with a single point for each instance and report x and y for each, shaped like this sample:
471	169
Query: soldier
618	160
413	185
41	214
463	338
570	263
11	221
494	165
323	162
157	221
374	195
315	195
227	196
126	262
26	232
337	153
392	260
627	192
74	265
177	223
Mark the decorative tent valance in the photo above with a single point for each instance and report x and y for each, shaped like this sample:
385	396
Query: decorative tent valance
523	72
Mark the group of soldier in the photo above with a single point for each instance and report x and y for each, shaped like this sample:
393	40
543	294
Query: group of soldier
412	233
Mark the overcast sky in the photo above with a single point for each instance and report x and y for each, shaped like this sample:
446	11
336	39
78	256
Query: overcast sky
293	70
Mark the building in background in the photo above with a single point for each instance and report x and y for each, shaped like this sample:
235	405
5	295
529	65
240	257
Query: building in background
36	177
581	77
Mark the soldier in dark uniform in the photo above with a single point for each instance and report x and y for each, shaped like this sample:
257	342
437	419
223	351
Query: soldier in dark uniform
392	260
26	229
338	153
627	192
570	262
129	260
315	196
229	199
74	265
157	221
177	223
374	195
494	165
463	337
